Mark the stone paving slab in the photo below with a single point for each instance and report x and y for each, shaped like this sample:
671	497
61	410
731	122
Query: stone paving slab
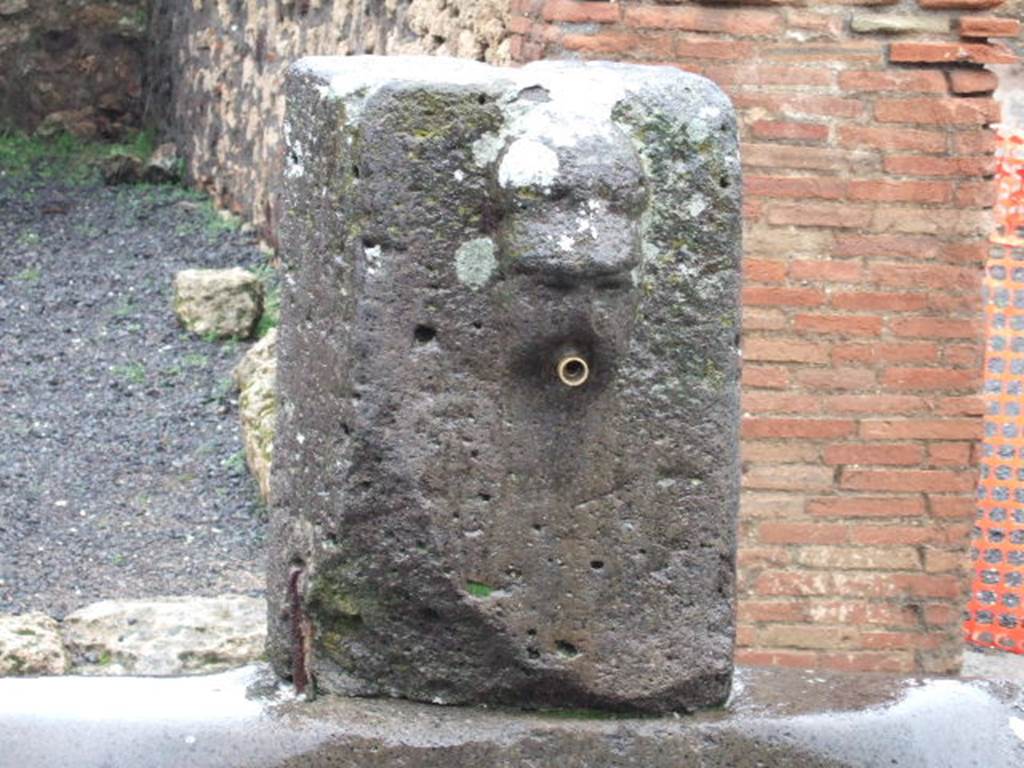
776	717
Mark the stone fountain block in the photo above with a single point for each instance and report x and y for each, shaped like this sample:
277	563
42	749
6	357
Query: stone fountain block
506	465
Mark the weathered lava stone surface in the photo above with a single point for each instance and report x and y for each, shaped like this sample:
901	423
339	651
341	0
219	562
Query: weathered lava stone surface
452	523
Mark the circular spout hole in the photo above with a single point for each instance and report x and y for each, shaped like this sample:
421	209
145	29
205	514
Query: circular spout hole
573	371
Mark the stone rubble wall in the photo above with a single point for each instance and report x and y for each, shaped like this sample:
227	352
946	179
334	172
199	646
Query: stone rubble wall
868	165
72	64
217	71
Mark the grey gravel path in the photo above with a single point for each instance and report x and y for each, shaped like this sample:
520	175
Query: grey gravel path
121	471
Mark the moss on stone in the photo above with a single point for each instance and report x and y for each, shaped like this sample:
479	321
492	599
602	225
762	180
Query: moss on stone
328	597
479	589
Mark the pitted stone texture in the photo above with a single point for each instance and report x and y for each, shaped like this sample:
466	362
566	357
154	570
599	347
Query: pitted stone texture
166	636
219	302
256	376
30	644
456	524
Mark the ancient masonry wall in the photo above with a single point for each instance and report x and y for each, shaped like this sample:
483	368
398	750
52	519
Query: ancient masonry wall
867	159
216	73
75	65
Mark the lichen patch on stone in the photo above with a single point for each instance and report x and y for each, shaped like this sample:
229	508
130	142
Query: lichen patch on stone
293	156
475	262
487	148
528	163
373	262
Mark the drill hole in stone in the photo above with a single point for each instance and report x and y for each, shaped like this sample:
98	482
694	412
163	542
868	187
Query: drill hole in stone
597	565
424	334
566	649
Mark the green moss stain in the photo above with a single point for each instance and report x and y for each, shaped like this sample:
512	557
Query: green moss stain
336	612
436	116
330	600
479	590
582	713
335	609
713	376
72	160
690	164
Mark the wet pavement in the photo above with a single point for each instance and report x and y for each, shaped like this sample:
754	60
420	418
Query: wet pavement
246	718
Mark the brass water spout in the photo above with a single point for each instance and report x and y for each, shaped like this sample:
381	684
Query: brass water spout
573	370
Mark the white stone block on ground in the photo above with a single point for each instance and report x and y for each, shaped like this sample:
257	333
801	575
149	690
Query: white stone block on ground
166	636
222	302
256	377
30	644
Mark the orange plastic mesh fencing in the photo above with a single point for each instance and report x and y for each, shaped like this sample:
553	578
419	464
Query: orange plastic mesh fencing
995	614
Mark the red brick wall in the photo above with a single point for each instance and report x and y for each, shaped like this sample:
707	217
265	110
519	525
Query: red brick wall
867	173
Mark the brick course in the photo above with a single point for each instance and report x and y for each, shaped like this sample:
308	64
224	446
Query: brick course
867	160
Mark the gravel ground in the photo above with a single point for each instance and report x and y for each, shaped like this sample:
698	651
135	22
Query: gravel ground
121	465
